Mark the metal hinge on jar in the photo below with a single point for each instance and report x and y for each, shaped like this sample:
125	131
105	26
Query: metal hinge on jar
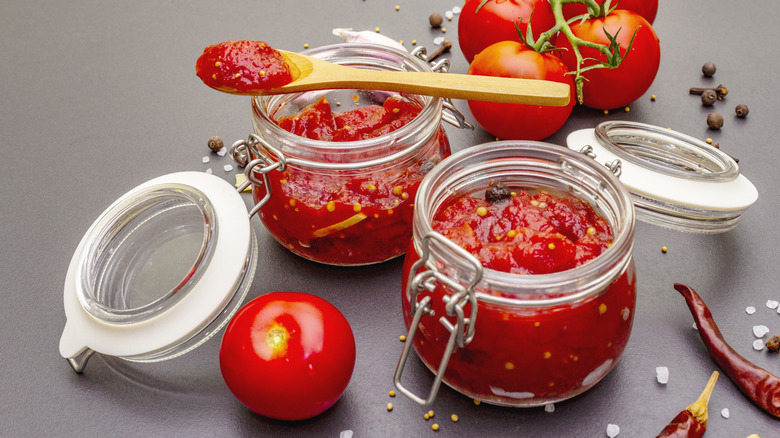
615	166
242	150
461	331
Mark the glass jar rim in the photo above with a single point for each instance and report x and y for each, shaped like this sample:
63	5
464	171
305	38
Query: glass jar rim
545	289
366	54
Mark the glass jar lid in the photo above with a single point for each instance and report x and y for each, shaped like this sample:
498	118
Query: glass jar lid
676	181
159	272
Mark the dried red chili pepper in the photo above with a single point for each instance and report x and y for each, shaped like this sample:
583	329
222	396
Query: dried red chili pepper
692	422
758	384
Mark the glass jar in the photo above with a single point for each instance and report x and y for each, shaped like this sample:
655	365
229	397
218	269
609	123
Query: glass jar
344	203
511	339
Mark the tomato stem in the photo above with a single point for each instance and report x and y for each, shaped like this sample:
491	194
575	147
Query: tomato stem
610	51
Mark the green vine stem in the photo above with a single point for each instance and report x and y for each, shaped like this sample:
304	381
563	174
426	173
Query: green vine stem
610	51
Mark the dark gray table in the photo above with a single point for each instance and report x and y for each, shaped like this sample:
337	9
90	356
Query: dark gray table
98	97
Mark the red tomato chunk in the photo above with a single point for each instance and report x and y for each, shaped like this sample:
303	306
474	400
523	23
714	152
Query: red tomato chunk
318	122
527	233
242	67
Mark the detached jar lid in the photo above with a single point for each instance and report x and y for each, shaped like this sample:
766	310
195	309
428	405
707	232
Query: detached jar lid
159	272
676	181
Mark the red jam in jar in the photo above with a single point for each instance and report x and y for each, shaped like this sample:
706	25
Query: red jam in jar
340	168
527	297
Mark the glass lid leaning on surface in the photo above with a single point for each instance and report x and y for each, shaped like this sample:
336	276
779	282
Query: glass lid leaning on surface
676	181
159	272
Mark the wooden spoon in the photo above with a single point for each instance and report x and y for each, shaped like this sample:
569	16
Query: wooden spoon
314	74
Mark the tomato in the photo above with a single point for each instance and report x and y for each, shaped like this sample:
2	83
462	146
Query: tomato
480	25
646	8
511	121
612	88
287	355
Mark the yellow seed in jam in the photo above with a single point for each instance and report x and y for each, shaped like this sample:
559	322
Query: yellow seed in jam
275	217
389	211
397	190
396	110
217	64
482	211
513	194
292	202
534	202
371	188
551	246
550	384
547	355
330	206
214	76
356	207
262	73
609	344
237	75
542	204
282	181
511	233
396	202
376	215
591	230
602	308
574	357
404	195
509	365
537	324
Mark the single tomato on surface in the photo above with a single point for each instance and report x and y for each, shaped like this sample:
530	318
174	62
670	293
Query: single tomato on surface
288	355
484	22
648	9
514	59
605	88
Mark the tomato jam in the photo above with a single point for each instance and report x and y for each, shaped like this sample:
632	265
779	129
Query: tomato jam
346	164
546	261
242	67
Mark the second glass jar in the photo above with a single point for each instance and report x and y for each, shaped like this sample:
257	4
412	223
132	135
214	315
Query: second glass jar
344	203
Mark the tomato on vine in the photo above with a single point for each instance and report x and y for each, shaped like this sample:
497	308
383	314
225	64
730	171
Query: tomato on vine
620	40
484	22
287	355
517	59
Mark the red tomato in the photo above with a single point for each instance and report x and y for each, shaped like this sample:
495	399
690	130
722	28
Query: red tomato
480	25
287	355
612	88
511	121
646	8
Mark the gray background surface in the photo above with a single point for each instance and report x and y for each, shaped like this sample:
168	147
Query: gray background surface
97	97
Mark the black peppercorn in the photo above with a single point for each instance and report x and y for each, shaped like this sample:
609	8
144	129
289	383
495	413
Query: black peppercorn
708	69
715	121
436	20
773	344
215	143
741	110
497	191
709	97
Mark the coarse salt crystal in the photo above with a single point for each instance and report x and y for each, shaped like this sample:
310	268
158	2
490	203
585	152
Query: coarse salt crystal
758	345
222	152
345	434
750	310
549	407
694	326
206	160
662	375
772	304
456	10
760	330
725	413
448	14
228	167
209	171
613	430
438	40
